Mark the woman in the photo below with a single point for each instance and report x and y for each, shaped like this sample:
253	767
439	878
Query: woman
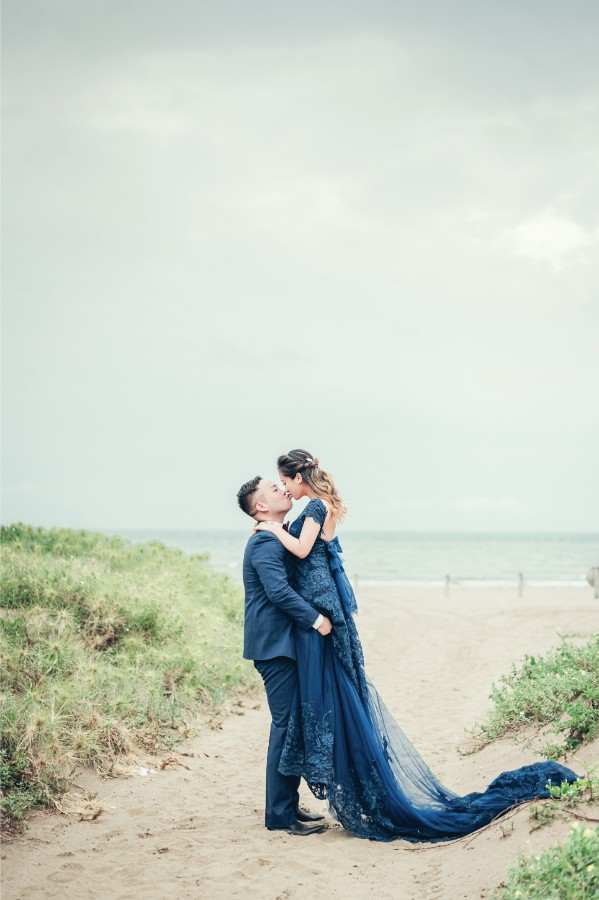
341	739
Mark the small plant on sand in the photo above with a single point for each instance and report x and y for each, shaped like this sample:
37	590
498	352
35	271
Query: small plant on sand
108	648
560	690
568	871
564	798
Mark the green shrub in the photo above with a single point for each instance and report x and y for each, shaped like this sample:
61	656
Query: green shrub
568	872
560	689
564	797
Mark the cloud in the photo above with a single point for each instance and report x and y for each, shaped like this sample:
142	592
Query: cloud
488	504
550	237
26	487
476	216
159	123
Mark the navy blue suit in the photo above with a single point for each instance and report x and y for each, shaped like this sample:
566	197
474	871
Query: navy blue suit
272	611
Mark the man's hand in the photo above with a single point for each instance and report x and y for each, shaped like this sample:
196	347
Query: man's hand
325	627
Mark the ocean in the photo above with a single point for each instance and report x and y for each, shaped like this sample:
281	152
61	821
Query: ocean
405	558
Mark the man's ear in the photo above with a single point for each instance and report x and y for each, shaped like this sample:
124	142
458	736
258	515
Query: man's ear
262	507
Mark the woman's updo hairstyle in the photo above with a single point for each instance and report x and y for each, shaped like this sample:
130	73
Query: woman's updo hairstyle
316	478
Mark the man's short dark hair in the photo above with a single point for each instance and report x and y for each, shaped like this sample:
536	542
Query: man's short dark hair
245	495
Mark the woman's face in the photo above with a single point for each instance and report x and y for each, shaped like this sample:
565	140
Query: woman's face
293	486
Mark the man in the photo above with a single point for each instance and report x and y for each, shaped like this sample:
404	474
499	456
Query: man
272	611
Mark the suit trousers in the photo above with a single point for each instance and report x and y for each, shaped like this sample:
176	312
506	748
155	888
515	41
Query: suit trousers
282	797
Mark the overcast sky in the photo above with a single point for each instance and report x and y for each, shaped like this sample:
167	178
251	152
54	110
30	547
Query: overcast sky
366	229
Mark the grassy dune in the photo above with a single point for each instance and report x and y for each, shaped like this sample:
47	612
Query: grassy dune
558	692
107	647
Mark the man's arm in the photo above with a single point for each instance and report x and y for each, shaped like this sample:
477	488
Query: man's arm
268	557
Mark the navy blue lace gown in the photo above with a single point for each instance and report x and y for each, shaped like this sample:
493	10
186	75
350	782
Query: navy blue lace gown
346	745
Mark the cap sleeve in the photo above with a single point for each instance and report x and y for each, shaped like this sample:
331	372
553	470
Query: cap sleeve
316	510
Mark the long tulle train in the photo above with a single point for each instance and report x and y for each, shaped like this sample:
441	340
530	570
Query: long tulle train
351	751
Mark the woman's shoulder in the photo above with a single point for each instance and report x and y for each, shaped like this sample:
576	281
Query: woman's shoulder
317	509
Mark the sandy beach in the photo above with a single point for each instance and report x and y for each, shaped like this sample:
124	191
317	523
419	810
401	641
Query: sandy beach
196	830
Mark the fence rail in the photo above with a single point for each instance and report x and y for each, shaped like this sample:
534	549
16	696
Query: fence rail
592	578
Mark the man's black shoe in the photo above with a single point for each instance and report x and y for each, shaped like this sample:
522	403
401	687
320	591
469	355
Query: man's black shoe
302	815
301	828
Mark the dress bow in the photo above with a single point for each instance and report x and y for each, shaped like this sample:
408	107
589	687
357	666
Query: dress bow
348	598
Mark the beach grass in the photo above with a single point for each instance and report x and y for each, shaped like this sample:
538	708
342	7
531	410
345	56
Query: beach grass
557	692
108	648
570	870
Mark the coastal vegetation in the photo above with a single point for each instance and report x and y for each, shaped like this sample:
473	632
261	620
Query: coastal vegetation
570	870
557	692
557	695
565	800
108	648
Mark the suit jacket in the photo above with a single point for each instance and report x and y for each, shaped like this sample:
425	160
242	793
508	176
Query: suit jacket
272	607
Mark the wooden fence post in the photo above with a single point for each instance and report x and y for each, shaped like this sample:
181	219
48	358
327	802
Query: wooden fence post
593	580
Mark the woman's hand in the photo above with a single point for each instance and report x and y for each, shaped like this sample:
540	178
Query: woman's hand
325	627
273	527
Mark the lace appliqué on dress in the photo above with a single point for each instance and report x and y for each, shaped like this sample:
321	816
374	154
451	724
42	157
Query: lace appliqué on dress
316	510
308	749
316	584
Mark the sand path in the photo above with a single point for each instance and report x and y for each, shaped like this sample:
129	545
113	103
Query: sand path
198	832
